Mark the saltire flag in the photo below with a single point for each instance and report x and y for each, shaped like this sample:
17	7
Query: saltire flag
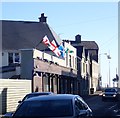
54	48
51	45
62	50
46	41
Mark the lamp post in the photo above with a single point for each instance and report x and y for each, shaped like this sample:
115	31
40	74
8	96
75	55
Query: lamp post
109	57
100	82
100	62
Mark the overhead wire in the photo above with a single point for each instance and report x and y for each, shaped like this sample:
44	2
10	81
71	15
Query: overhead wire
107	42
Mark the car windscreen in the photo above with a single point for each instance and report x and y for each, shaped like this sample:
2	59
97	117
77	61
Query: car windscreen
44	108
110	90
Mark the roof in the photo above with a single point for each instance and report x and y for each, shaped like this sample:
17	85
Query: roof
25	35
89	44
86	44
53	97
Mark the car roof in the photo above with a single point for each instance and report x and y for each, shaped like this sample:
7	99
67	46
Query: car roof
53	97
110	88
39	93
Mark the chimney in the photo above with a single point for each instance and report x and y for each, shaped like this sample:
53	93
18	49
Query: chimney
78	38
42	18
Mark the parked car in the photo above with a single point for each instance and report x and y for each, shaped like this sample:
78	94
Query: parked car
34	94
110	94
54	106
29	95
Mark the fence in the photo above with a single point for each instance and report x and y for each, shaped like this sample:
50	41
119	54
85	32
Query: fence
11	91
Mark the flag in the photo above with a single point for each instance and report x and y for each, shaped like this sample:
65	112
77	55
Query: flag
62	50
46	40
69	51
51	45
54	48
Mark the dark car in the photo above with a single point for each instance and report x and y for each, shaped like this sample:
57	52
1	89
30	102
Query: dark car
110	94
54	106
34	94
30	95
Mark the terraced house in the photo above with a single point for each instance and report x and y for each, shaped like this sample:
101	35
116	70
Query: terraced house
33	59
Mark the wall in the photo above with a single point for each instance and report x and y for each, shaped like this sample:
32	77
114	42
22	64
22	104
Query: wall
4	58
95	72
73	55
11	91
43	55
8	74
27	63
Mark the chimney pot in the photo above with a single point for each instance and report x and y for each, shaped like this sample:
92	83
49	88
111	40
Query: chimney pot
42	18
78	38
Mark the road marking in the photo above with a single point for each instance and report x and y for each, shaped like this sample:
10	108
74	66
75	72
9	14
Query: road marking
112	106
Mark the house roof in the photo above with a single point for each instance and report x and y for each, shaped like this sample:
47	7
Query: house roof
89	44
90	47
86	44
26	34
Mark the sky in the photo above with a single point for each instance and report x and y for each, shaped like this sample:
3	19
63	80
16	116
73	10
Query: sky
94	21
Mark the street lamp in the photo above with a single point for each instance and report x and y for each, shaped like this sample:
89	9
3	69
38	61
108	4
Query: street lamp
100	62
109	57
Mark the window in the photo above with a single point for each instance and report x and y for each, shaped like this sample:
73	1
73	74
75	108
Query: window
17	57
10	58
81	105
70	60
78	104
66	59
73	61
83	67
13	58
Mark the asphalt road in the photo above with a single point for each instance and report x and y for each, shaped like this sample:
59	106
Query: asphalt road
107	109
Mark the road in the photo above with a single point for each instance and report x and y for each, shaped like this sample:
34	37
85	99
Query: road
107	109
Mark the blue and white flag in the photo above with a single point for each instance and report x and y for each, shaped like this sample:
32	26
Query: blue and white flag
62	50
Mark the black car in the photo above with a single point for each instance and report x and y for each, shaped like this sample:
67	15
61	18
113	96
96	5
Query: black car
54	106
34	94
30	95
110	94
